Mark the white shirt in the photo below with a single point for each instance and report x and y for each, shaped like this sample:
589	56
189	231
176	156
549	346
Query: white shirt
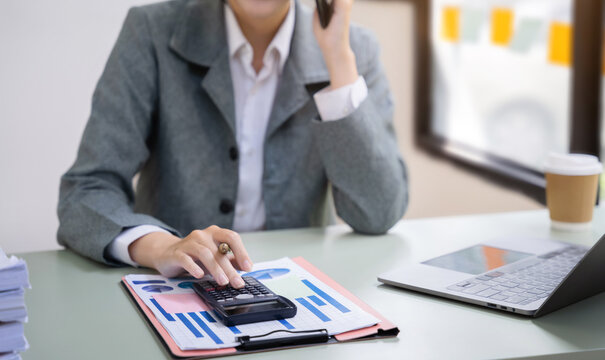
254	94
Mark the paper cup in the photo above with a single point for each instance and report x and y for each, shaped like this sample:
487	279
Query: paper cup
571	190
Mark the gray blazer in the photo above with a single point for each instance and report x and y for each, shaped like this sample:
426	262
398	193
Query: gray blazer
164	108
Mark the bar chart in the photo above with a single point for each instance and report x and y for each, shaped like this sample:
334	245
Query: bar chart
193	325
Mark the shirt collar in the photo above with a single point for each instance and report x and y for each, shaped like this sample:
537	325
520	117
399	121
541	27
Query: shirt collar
280	43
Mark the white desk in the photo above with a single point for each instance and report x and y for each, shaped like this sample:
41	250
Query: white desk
77	309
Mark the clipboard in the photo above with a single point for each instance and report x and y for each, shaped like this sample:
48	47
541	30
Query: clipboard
383	329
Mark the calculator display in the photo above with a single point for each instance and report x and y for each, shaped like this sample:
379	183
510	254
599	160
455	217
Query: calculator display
243	309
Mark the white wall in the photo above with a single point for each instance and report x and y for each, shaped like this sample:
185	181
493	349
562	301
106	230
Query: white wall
51	55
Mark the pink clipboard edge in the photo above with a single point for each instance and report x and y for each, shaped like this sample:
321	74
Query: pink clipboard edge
384	324
172	346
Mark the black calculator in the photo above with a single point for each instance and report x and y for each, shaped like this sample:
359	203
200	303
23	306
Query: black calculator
252	303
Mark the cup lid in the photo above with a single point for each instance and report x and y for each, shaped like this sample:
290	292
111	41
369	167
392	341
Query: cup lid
573	164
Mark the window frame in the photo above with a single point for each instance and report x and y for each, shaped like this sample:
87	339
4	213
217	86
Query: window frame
585	103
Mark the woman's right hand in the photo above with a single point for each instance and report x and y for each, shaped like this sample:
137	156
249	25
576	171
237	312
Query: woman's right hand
196	254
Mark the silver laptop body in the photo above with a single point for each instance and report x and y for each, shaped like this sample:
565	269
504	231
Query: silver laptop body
525	276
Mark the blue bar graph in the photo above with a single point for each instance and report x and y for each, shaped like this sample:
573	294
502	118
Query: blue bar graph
139	282
189	325
161	309
317	300
326	297
286	324
313	309
234	330
207	316
206	328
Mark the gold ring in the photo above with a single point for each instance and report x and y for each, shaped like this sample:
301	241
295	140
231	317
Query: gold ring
224	248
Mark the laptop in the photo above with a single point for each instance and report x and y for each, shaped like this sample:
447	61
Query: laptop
530	277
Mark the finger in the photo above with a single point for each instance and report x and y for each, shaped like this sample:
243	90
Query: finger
232	260
206	256
232	238
343	4
236	244
223	263
234	278
190	266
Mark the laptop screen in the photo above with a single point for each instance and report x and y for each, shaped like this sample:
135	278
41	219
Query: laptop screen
477	259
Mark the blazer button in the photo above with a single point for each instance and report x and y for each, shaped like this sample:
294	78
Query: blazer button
226	206
233	153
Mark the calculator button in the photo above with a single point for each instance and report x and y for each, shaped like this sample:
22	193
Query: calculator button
244	296
220	300
229	299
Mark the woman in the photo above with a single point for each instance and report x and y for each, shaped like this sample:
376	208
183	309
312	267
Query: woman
237	115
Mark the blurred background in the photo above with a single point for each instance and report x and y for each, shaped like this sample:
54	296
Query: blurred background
483	91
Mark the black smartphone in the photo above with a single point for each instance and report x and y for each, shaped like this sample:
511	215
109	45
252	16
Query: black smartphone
325	9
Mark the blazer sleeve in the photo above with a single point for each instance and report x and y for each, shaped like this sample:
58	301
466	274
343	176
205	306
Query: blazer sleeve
361	157
96	195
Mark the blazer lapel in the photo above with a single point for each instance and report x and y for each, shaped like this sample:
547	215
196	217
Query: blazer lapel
200	38
219	87
291	95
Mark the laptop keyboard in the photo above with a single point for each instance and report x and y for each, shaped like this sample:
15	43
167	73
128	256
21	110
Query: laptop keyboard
528	283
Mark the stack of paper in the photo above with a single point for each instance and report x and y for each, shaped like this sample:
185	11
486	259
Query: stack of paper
13	281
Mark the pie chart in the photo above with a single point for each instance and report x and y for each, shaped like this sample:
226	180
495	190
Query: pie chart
157	288
186	284
268	274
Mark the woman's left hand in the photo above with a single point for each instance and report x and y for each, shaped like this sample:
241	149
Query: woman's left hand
335	46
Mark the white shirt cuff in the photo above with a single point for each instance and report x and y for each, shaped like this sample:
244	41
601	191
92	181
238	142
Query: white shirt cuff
339	103
118	248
